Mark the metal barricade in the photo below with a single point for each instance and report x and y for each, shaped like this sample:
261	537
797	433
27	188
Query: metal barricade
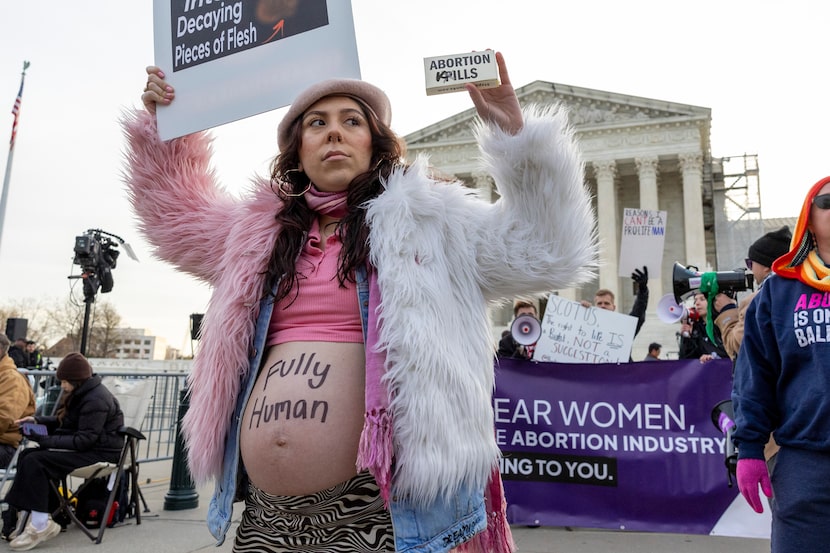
159	424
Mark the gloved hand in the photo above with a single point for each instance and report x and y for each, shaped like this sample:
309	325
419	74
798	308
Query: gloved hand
750	473
641	278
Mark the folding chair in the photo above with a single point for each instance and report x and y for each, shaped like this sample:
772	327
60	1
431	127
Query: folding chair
10	471
8	475
133	397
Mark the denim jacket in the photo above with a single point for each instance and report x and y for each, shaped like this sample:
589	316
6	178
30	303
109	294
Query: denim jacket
427	528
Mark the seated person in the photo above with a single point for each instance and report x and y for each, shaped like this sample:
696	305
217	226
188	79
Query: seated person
84	432
16	402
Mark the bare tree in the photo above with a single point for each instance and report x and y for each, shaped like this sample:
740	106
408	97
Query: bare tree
35	314
51	320
104	334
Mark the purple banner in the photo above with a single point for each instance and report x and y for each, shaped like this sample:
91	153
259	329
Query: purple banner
618	446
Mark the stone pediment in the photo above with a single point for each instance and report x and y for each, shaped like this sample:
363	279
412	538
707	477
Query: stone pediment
589	110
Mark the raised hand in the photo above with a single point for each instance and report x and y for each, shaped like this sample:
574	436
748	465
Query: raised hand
641	278
498	105
157	91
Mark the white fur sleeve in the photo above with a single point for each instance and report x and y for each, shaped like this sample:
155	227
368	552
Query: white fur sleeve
541	234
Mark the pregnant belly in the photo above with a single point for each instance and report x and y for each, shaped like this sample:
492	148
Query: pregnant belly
302	422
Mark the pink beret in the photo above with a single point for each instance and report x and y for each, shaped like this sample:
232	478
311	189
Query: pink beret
371	95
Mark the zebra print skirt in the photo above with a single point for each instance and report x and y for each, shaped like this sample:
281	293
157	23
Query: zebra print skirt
348	517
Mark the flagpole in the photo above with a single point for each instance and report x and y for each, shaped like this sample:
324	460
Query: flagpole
7	177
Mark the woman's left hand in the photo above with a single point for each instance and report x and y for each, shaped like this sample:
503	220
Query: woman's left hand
498	105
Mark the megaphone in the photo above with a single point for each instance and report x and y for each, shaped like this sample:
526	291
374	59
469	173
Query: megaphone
723	417
526	329
686	280
669	311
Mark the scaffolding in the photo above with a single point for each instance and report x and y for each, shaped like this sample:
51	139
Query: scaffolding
736	197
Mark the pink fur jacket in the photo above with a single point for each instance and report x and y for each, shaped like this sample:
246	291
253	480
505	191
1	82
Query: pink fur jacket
441	255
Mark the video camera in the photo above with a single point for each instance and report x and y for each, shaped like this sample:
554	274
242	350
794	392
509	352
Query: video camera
96	253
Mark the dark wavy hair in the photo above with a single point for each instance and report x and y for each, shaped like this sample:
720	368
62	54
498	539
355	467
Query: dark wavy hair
296	218
65	399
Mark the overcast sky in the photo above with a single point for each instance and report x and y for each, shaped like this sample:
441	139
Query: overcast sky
761	66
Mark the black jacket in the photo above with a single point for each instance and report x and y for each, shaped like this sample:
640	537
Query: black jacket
698	344
91	421
19	356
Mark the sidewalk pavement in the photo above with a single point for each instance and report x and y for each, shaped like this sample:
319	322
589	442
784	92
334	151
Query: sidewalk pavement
185	531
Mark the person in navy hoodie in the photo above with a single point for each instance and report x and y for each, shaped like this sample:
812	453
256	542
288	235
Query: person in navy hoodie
782	386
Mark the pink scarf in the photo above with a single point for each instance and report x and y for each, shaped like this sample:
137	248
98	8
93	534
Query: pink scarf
326	203
375	451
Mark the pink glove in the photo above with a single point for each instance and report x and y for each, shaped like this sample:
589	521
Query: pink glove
752	472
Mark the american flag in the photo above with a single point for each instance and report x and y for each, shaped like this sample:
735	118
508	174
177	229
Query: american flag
17	101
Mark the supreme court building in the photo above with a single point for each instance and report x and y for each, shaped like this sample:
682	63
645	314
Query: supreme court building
639	153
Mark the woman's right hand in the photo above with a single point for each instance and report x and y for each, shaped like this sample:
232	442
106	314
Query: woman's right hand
157	91
25	419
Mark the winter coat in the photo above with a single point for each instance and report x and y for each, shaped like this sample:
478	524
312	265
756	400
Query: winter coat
16	401
91	420
442	255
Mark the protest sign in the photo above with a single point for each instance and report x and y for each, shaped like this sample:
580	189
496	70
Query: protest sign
643	238
623	447
230	60
575	334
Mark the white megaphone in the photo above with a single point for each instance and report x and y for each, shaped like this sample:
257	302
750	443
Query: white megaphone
669	311
526	329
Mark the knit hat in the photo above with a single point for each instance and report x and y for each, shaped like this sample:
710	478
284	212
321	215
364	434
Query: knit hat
770	246
369	94
74	367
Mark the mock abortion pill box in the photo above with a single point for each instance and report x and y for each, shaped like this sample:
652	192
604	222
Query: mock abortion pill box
450	73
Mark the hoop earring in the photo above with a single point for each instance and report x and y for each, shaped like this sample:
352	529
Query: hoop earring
282	183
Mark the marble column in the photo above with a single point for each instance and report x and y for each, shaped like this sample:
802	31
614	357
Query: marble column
647	169
484	184
605	171
691	167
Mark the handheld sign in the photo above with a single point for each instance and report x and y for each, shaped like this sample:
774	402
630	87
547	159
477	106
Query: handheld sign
450	73
643	237
234	59
575	334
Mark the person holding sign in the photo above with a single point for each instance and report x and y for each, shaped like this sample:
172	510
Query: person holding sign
605	299
782	386
343	384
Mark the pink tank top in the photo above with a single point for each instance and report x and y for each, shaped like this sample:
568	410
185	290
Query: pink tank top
323	311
